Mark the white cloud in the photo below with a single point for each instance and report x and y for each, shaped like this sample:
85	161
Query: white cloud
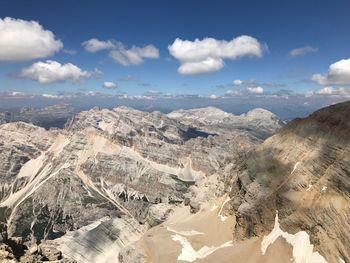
256	90
334	91
109	85
297	52
120	54
231	93
25	40
338	73
52	72
133	56
93	45
50	96
326	90
330	91
205	66
207	55
237	82
213	96
17	94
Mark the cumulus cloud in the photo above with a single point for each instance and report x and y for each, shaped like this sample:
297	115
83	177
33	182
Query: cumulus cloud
135	55
256	90
93	45
330	91
109	85
297	52
206	66
207	55
120	54
53	72
334	91
25	40
237	82
338	74
326	90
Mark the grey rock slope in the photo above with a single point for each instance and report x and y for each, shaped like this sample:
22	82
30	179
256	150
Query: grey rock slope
98	184
303	172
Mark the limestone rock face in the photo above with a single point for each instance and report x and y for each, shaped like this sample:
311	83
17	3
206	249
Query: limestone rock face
19	143
131	254
93	187
303	172
158	213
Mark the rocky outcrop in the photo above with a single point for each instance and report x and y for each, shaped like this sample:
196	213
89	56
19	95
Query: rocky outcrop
132	254
303	172
12	250
158	213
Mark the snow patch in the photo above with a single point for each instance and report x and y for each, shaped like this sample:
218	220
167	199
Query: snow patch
189	254
295	167
186	232
214	207
223	218
302	249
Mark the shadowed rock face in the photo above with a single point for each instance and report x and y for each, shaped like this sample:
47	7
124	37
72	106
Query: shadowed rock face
115	164
303	172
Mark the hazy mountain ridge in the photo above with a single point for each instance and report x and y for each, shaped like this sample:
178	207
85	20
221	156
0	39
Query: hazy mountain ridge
54	116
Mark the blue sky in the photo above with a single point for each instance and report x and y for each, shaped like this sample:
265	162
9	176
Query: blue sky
319	29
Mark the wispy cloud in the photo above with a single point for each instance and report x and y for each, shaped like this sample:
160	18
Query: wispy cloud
120	53
135	55
93	45
302	51
70	51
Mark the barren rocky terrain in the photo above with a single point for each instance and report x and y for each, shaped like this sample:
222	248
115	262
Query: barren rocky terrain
197	185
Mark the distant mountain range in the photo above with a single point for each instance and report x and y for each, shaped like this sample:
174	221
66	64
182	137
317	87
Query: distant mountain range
47	117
